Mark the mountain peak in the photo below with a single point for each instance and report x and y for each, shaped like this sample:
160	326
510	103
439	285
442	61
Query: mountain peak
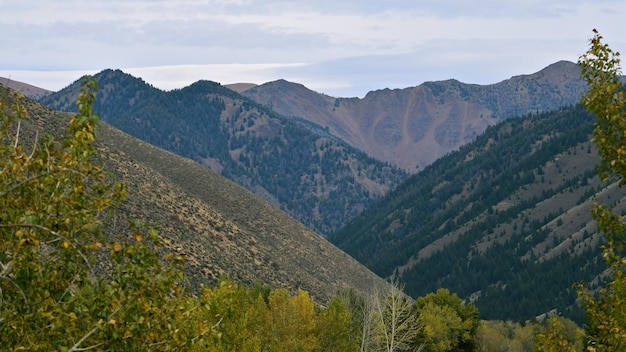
412	127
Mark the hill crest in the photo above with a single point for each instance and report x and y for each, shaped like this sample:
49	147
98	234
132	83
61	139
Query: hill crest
28	90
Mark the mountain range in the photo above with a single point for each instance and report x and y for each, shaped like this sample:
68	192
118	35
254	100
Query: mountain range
321	159
497	209
312	175
412	127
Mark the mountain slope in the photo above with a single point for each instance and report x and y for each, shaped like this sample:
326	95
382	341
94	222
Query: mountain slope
504	221
25	88
314	177
222	228
412	127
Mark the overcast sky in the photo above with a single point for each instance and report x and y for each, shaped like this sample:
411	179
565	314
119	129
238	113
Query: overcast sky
343	48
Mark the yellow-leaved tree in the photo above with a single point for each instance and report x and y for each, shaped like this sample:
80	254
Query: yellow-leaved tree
54	294
606	99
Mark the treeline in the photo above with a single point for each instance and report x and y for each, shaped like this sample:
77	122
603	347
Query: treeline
258	318
242	318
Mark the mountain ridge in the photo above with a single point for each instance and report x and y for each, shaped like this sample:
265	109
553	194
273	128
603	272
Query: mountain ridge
512	209
412	127
313	176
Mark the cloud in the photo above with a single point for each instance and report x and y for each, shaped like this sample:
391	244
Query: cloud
178	76
349	47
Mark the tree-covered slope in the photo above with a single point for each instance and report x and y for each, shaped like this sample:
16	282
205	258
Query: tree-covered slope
316	178
505	221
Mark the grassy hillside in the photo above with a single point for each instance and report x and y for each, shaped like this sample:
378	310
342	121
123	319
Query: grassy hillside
25	88
221	228
505	221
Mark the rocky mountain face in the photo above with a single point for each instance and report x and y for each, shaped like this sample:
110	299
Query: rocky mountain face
297	166
505	221
412	127
222	228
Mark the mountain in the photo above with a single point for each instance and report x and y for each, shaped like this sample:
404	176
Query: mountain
504	221
240	87
25	88
222	228
412	127
296	165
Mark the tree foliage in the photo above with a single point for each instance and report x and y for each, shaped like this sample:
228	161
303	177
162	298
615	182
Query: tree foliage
600	67
605	97
560	335
54	295
447	323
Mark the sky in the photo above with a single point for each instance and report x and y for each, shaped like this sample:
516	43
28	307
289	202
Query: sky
343	48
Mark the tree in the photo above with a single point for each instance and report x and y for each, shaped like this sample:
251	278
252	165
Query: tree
292	321
394	323
64	284
447	323
238	316
605	97
363	319
334	329
500	336
560	335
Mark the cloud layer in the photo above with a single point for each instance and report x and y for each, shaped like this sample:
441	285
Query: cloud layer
342	48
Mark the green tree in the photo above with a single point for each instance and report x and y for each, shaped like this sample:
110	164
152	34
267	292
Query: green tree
560	335
447	323
605	97
237	317
292	321
334	329
64	285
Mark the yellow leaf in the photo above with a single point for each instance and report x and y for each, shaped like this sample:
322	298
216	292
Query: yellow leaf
66	244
